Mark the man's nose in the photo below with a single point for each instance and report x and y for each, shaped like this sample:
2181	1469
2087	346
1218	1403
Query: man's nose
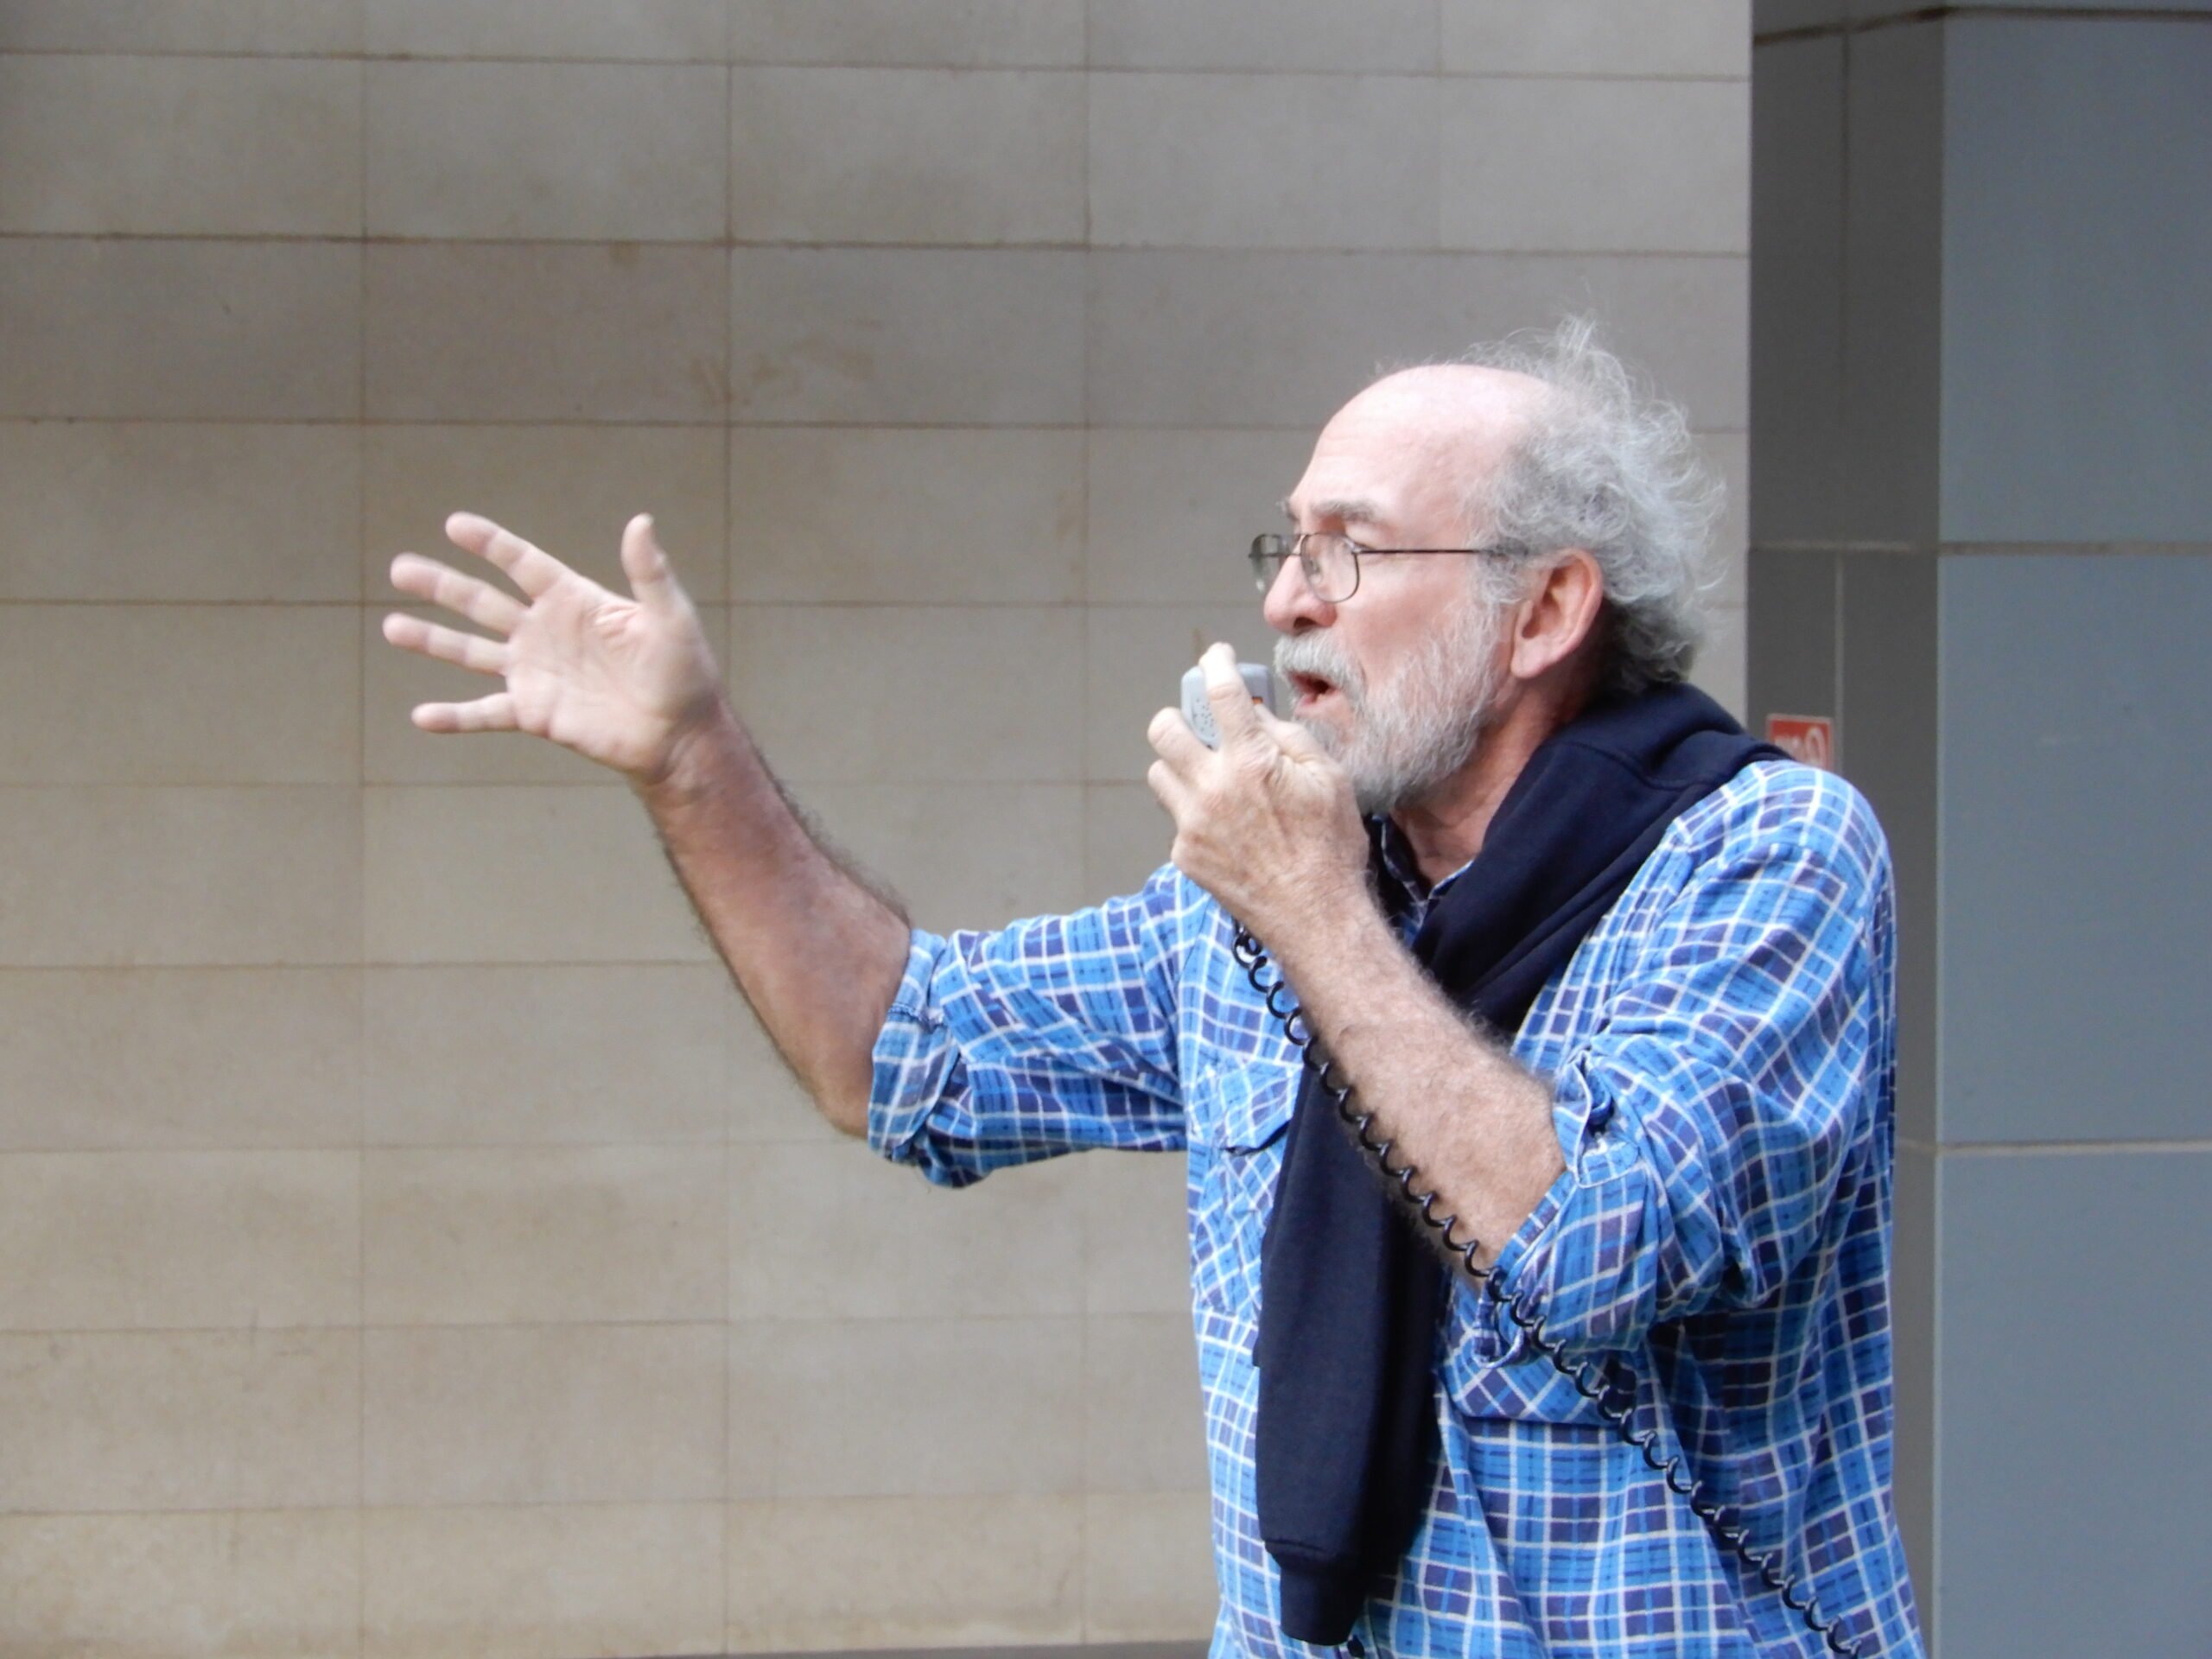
1290	601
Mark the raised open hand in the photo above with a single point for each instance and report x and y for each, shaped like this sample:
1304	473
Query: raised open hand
620	681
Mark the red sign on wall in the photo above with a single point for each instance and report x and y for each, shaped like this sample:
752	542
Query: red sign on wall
1809	738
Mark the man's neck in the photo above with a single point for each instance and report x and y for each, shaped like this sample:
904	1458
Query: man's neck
1447	827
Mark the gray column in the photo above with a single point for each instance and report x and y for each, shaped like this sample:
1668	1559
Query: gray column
1981	521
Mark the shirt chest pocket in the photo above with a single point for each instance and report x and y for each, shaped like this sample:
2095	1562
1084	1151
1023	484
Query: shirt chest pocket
1238	1116
1242	1107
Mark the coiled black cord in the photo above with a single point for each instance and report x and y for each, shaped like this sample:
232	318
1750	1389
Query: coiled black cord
1589	1378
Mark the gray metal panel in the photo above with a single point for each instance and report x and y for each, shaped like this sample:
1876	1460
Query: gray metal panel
2078	214
1886	742
1769	16
1872	10
1791	644
2076	1339
1893	321
1796	443
1914	1244
2078	867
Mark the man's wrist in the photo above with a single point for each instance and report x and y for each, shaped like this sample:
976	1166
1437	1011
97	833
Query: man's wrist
704	756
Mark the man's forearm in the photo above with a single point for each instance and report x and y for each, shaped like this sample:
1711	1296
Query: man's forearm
1475	1124
814	950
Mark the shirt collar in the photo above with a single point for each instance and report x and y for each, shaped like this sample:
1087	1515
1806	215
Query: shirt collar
1407	896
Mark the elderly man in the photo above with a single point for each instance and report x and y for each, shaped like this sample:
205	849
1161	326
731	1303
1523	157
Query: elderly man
1603	986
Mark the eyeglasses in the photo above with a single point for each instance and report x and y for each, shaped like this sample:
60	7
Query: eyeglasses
1331	562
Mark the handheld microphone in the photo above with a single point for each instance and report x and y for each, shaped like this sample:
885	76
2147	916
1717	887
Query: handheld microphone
1259	680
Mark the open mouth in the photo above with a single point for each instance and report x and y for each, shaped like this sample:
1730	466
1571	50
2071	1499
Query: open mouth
1309	688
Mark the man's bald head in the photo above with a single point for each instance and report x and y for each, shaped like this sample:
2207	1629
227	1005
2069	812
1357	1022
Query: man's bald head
1543	443
1448	429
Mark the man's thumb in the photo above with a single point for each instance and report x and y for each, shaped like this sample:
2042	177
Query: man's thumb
651	582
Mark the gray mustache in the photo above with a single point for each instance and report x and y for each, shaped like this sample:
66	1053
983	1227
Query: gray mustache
1318	655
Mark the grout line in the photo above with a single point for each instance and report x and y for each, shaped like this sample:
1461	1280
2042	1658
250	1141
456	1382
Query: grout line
526	241
2053	1148
727	1094
2090	549
345	423
703	244
727	61
361	750
364	1145
669	964
360	832
717	1323
373	1508
418	1327
1841	27
374	608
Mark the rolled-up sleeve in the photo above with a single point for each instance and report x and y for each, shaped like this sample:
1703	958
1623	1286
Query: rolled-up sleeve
1731	1089
1049	1036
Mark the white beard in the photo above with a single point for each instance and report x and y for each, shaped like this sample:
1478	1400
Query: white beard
1412	731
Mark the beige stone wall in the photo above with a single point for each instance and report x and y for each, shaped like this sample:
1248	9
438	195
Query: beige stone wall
406	1248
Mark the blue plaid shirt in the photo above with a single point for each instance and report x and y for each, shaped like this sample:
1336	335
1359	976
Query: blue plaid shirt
1719	1052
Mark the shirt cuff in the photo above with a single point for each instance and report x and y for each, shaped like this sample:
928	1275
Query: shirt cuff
1602	1160
914	1056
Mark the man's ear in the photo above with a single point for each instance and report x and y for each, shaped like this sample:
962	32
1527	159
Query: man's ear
1558	614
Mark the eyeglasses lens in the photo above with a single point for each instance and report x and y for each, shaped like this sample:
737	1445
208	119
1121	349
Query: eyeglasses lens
1331	567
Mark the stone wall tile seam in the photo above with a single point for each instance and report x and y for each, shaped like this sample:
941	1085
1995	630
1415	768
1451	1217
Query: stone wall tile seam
718	61
550	1503
256	1328
334	238
836	423
936	66
525	60
135	1509
430	1326
340	1508
2058	1149
181	788
385	239
363	1147
1910	17
627	1143
1608	77
1233	73
1991	549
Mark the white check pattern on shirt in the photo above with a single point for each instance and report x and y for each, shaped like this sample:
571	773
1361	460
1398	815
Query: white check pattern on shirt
1720	1049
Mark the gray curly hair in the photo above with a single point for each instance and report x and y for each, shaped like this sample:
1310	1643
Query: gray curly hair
1607	466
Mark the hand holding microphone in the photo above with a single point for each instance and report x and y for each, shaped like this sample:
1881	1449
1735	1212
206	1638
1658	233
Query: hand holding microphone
1265	820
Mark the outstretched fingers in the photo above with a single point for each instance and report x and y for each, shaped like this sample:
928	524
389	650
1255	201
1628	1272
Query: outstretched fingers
493	713
469	597
534	570
471	651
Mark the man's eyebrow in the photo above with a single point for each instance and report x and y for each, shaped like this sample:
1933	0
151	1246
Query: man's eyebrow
1346	511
